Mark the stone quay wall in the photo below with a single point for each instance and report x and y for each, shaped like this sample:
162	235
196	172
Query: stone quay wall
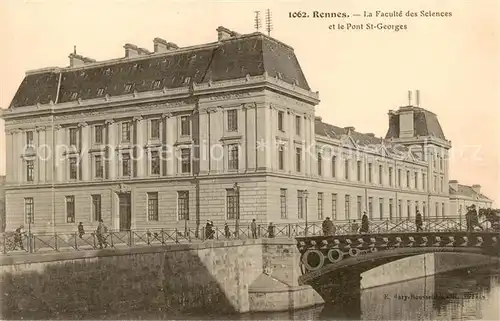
224	276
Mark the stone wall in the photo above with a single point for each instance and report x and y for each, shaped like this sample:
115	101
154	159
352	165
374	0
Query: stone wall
213	276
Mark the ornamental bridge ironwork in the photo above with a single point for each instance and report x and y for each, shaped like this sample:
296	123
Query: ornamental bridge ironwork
333	262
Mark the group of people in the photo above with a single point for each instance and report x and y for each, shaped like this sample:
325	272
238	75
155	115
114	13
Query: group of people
210	230
352	227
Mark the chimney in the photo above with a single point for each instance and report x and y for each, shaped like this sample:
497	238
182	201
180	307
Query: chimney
79	60
476	188
318	118
224	33
134	51
349	130
454	184
160	45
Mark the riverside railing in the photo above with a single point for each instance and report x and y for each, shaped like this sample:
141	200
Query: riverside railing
72	241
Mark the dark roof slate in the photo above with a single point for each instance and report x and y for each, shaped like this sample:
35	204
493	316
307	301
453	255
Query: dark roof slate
234	58
425	123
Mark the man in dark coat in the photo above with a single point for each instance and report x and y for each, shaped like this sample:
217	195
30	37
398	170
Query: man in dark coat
364	223
418	221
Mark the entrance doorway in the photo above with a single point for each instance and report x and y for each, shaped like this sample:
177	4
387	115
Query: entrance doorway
125	211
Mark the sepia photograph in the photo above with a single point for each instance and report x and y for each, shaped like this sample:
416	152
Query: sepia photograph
249	160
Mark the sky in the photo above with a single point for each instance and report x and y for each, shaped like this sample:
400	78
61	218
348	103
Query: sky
360	74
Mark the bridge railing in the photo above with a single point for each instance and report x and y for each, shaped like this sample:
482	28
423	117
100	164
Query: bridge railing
72	241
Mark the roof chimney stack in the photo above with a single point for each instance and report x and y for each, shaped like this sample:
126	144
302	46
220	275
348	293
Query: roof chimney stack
224	33
76	60
349	130
476	188
161	45
454	184
417	98
133	51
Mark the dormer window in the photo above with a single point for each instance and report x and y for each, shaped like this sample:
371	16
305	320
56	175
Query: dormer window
156	84
73	96
187	80
100	92
128	88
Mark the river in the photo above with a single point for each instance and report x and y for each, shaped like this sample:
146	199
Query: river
472	294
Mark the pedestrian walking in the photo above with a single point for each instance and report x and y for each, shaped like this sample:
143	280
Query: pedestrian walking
419	222
328	227
364	223
253	227
18	237
81	231
101	234
270	230
354	227
227	231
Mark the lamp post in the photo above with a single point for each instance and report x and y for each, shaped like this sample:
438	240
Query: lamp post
305	193
236	189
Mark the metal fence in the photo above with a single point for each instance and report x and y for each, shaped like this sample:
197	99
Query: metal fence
57	242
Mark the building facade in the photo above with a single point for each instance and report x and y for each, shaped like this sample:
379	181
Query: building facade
223	131
2	203
463	196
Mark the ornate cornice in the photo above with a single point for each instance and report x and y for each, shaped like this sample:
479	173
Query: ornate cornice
213	110
40	128
82	124
109	121
249	106
166	115
137	118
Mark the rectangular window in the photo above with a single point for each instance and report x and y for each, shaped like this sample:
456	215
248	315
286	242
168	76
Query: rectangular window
183	205
29	138
232	120
347	207
381	208
424	182
320	206
99	166
320	165
416	180
128	88
70	209
155	129
233	156
155	163
30	170
298	159
435	183
391	208
185	160
126	168
281	157
73	136
98	134
298	119
424	209
441	185
29	210
152	206
283	203
370	172
380	174
442	210
281	117
408	179
231	203
300	204
400	209
334	207
334	166
390	176
346	169
358	170
399	177
73	168
125	135
96	208
408	208
370	207
359	205
416	207
436	209
185	126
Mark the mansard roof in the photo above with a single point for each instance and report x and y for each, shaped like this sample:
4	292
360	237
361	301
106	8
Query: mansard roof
468	191
425	123
236	57
360	139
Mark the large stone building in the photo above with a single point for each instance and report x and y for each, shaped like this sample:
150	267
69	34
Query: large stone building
159	139
463	196
2	203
